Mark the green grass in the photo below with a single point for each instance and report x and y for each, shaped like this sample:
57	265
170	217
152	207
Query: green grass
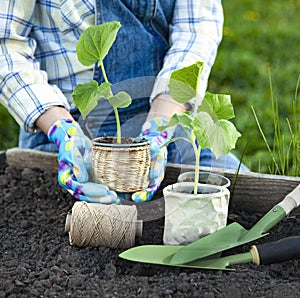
8	130
258	35
284	149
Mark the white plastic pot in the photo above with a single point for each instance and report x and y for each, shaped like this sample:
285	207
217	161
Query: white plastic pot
189	217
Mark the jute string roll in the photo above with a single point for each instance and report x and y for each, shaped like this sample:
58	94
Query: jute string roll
102	225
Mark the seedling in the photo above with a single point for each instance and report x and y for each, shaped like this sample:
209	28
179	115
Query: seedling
207	126
92	47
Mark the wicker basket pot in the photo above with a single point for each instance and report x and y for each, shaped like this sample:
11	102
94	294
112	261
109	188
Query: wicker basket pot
122	167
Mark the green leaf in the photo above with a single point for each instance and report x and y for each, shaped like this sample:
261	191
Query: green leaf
220	136
120	100
184	119
95	42
86	96
201	124
223	136
218	106
104	90
184	83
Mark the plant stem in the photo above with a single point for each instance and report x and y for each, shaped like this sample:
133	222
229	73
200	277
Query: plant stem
103	72
197	149
115	109
197	166
118	126
197	169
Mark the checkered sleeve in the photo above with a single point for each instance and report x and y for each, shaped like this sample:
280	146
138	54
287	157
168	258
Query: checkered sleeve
195	34
24	88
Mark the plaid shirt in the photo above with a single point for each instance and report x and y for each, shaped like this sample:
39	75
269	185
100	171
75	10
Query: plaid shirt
38	62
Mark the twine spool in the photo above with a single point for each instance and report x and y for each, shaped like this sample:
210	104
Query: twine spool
122	167
113	226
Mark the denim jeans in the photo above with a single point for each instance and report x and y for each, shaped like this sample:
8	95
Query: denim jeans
132	65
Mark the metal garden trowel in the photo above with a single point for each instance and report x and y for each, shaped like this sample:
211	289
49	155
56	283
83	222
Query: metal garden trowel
209	246
269	253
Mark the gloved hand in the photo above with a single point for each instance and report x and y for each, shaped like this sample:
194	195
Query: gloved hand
159	155
74	163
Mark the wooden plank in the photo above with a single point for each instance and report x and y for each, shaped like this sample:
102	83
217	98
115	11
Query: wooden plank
29	158
253	191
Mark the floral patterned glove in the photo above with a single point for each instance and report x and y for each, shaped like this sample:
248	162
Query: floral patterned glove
150	131
74	163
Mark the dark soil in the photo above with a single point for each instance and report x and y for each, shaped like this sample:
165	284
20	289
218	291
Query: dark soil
38	261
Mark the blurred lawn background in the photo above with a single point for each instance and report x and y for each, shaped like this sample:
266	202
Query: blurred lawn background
257	35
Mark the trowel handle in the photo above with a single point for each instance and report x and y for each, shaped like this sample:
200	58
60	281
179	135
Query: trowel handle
276	214
291	201
276	252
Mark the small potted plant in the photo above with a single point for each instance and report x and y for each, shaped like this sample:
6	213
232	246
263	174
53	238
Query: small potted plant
121	163
192	209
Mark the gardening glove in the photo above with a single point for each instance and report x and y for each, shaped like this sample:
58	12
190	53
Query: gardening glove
74	163
159	153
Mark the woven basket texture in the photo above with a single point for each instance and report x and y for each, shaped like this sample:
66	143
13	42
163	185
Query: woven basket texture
122	169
